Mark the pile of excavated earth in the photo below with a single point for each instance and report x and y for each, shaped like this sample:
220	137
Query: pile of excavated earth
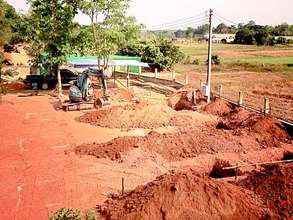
237	131
185	195
267	193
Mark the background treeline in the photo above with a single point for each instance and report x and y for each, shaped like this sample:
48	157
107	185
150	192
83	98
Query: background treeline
249	33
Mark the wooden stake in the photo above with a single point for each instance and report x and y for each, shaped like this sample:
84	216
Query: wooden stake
240	101
128	81
220	90
122	186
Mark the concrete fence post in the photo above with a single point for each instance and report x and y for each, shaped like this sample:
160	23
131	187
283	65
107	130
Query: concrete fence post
128	81
220	90
156	73
266	105
173	75
240	101
186	79
139	70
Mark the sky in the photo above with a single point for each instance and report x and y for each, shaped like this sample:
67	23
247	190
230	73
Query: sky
154	12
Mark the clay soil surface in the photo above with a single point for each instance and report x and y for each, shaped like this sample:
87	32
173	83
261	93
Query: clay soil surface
184	196
50	160
274	184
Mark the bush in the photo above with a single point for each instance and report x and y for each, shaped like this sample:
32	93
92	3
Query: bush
90	215
216	59
66	214
160	54
9	72
196	62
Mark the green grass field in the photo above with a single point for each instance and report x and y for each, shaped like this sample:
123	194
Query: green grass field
231	53
277	59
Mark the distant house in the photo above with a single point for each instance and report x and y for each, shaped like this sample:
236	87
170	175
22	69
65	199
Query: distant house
221	38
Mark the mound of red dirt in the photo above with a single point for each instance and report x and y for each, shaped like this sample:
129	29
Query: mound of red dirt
275	185
268	130
185	100
188	143
130	116
118	94
218	107
15	86
183	196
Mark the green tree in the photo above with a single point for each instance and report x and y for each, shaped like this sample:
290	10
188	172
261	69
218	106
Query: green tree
111	29
6	12
52	25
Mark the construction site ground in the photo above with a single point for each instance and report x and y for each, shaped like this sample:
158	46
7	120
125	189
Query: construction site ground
51	159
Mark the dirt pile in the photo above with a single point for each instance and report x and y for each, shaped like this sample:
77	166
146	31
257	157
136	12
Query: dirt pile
275	185
130	116
16	86
268	130
185	100
218	107
117	94
187	143
183	196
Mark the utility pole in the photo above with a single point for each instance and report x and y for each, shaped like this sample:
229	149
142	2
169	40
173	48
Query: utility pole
209	57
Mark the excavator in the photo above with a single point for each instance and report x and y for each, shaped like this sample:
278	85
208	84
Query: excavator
81	91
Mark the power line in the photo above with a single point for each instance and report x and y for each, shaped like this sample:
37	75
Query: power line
183	25
221	18
195	17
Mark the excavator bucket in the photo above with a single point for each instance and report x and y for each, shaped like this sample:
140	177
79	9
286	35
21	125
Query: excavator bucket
102	102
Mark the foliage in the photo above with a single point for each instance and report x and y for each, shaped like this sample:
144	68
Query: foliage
216	59
159	53
66	214
196	61
111	29
90	215
6	14
52	24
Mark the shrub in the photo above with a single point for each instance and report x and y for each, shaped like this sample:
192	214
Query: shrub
159	53
195	62
66	214
216	59
90	215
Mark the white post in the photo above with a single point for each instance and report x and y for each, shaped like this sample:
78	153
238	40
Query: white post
173	75
139	70
156	73
186	79
220	90
240	101
266	106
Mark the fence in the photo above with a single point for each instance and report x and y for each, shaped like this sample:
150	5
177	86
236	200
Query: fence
277	107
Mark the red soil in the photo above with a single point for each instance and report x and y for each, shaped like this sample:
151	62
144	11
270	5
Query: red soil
130	116
185	100
184	196
274	184
218	107
16	86
187	143
268	130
